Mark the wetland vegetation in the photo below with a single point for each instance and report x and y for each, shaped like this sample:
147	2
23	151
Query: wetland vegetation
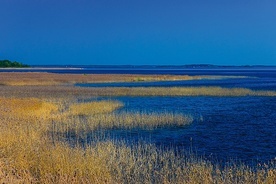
42	78
36	121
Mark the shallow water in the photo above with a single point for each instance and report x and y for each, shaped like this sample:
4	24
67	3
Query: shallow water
149	70
241	128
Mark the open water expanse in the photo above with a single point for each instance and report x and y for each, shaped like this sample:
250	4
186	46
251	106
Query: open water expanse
224	128
239	128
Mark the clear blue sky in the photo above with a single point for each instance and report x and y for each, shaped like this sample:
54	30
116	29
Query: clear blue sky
138	32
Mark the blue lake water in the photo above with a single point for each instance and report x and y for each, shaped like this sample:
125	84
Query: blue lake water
235	71
242	128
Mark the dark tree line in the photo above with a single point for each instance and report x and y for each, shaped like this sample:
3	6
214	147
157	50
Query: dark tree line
11	64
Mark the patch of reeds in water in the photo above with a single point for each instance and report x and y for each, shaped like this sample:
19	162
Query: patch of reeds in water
83	125
92	108
43	78
73	92
186	91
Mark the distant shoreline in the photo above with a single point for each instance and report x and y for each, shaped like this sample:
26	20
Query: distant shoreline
123	67
42	68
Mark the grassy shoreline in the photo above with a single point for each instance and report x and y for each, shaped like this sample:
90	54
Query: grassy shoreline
42	78
72	91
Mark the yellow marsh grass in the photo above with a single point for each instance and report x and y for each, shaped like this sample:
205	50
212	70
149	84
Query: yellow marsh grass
37	159
27	155
41	78
145	163
141	120
92	108
185	91
83	126
71	91
27	109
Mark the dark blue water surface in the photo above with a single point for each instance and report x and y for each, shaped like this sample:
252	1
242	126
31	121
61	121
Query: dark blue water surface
242	128
234	71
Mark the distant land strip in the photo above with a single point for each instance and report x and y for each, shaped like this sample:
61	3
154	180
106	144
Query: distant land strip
42	68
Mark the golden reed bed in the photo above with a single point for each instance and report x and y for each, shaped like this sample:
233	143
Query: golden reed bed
40	78
72	91
57	85
32	151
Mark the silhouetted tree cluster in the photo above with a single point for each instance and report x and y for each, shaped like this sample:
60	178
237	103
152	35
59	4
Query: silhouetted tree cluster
11	64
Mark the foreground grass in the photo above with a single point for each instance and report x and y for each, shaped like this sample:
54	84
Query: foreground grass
28	155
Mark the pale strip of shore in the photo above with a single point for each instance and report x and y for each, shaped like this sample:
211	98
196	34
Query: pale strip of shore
43	68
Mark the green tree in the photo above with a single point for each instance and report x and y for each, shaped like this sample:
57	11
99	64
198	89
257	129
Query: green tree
11	64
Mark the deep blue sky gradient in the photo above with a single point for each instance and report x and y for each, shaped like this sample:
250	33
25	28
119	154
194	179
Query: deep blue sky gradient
154	32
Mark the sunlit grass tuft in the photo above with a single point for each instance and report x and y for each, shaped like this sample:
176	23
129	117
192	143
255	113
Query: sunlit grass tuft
26	108
142	120
83	126
187	91
92	108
